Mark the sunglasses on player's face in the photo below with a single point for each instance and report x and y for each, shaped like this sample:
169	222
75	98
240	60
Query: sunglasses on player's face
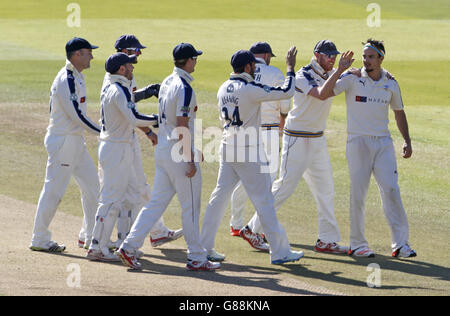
136	50
329	55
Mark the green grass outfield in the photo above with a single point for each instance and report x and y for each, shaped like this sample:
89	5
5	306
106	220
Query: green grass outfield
417	38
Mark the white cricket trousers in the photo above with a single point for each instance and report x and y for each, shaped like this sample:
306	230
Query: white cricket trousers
126	219
239	198
119	191
307	158
367	155
170	179
257	185
67	156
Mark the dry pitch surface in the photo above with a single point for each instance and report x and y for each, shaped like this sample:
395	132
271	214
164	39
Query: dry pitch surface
25	272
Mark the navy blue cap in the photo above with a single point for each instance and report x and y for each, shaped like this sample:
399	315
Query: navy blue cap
128	41
326	47
261	48
78	43
242	58
114	62
185	51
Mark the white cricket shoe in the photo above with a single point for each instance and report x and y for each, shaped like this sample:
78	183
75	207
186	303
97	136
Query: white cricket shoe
331	247
202	266
128	259
362	252
291	257
255	240
404	252
171	236
51	246
98	255
214	256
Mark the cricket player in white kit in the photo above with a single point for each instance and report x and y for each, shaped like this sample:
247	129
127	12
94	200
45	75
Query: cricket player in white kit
273	114
370	149
305	152
160	234
119	118
174	173
242	157
67	153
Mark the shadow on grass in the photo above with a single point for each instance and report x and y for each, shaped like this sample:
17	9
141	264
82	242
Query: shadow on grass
411	266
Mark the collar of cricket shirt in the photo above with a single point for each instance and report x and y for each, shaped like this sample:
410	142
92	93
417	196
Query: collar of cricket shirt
184	74
366	75
244	76
71	67
260	61
120	79
319	70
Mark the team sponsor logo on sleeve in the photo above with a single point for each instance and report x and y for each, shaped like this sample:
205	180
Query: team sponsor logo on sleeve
185	109
131	105
83	99
134	89
230	88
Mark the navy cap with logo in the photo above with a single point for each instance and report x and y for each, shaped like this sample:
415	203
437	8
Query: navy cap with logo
185	51
261	48
326	47
128	41
114	62
242	58
78	43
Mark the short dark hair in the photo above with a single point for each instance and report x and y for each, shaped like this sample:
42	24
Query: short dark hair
239	70
377	44
70	54
180	63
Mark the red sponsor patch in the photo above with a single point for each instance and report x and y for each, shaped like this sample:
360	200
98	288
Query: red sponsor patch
134	89
83	99
195	109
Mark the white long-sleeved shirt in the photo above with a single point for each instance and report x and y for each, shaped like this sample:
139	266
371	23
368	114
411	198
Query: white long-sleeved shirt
273	77
118	112
239	103
176	99
68	109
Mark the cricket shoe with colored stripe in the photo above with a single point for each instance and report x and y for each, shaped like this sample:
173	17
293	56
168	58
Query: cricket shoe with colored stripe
255	240
98	255
235	231
331	247
171	236
128	259
202	266
404	252
362	252
51	246
292	257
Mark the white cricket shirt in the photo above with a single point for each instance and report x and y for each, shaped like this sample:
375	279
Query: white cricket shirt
368	102
68	104
308	113
176	98
118	112
239	103
273	77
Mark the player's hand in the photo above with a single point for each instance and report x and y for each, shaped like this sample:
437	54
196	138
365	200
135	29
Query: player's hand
154	138
407	150
191	169
346	61
291	58
355	71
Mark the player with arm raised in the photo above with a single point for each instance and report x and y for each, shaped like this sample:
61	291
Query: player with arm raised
305	152
239	101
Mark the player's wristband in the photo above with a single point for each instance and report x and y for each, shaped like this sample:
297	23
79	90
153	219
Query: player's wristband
290	73
149	133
